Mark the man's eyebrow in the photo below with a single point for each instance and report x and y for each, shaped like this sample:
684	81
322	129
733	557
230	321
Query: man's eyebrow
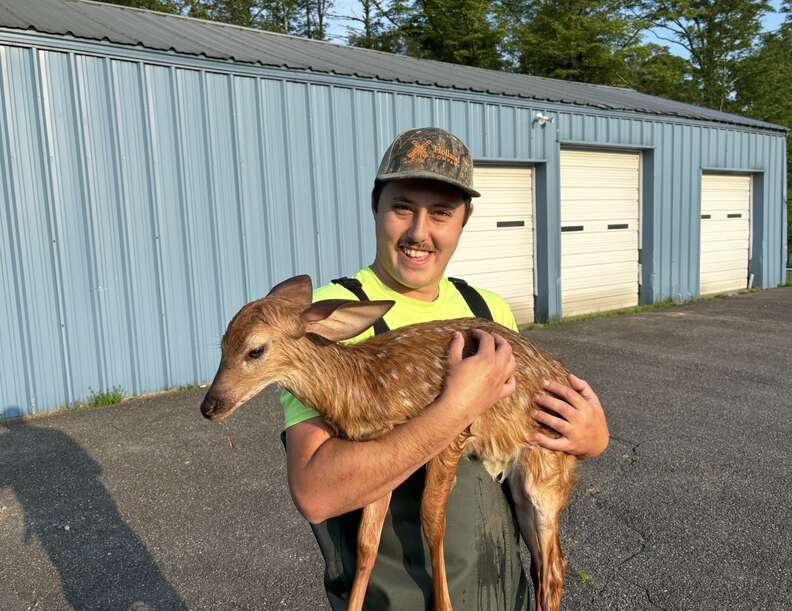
406	200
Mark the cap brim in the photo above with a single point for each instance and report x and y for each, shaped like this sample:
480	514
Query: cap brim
427	176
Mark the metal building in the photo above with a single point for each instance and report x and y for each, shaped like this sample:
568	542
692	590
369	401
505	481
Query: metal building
157	172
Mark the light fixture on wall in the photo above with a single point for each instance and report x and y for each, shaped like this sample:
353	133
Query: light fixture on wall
542	119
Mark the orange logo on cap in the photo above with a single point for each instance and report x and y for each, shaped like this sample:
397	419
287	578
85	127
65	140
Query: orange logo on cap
421	151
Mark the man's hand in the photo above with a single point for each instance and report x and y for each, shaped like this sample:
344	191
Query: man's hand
475	383
579	419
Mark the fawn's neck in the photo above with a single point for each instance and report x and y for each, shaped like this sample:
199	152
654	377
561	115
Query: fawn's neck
332	378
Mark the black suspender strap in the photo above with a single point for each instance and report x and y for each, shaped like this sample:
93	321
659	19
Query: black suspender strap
473	298
353	286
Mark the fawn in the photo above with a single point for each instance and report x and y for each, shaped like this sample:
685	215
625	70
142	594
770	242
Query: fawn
366	389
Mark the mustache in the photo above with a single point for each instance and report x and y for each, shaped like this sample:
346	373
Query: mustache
417	245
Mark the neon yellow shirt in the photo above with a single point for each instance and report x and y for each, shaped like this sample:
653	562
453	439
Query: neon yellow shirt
449	304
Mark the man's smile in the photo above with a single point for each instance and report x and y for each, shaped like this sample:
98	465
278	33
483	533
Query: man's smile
414	254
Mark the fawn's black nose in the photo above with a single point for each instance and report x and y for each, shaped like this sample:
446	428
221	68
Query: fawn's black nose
208	407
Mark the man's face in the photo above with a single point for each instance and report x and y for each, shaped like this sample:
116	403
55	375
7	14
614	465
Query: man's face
418	225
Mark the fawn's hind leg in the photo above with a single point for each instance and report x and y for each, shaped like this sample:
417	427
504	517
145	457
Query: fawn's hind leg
540	484
440	474
368	540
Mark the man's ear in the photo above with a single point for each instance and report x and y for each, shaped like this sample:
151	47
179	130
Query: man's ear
337	319
297	290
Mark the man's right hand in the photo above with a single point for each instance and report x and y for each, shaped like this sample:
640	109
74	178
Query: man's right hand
475	383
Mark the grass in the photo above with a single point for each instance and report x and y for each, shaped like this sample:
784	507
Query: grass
108	397
584	577
668	303
789	278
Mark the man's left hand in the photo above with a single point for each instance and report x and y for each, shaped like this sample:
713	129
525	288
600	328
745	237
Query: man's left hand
575	414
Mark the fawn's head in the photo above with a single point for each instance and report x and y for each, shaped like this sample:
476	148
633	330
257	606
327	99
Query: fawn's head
260	341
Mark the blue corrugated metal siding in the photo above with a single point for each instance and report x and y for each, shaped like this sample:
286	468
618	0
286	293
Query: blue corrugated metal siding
144	203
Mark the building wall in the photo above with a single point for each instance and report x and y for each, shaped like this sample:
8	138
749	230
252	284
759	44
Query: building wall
145	197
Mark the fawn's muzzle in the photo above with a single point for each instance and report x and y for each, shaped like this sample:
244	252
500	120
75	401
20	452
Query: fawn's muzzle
209	407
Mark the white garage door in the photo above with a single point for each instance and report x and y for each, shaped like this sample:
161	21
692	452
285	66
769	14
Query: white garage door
725	232
600	199
496	248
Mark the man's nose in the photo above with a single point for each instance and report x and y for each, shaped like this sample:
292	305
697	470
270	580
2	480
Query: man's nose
418	231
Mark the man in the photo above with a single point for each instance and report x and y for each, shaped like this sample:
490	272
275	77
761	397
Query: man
421	200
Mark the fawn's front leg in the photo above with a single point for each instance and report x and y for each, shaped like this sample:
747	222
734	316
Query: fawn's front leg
368	540
440	474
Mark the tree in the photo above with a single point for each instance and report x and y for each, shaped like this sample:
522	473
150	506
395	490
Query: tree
164	6
381	26
717	34
572	39
764	91
653	69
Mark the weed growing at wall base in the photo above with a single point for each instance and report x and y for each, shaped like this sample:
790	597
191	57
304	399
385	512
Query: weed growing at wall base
108	397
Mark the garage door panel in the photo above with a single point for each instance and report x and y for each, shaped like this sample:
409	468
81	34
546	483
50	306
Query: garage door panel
596	259
602	158
718	227
599	300
509	223
577	212
606	275
581	242
585	194
725	241
505	243
478	266
600	193
496	258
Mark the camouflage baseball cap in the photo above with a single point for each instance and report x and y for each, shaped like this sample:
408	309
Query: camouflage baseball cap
432	153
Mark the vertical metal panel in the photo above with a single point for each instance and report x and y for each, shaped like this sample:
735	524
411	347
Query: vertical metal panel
142	204
251	173
168	167
301	177
367	156
37	282
18	395
423	111
211	273
141	227
276	176
321	158
403	111
349	205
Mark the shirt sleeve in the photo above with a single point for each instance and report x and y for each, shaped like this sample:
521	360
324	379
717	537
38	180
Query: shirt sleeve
294	411
501	312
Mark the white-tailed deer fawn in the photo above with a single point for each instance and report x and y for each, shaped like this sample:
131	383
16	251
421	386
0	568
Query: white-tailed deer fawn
366	389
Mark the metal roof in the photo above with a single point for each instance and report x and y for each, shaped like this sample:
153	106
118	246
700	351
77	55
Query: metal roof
85	19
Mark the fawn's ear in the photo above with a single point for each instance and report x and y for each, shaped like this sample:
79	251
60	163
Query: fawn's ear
297	290
337	319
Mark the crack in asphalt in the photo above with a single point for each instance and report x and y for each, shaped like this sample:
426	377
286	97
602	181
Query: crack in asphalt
643	539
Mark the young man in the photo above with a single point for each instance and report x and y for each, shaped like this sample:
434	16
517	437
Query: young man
421	201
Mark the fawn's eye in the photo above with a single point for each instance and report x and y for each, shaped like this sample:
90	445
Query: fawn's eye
256	353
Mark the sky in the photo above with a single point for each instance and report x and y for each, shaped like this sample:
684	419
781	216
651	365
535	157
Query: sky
338	29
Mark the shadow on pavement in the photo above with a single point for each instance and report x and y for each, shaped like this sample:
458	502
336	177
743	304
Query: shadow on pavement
101	562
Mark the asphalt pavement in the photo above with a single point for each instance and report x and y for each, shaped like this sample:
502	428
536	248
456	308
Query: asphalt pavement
145	505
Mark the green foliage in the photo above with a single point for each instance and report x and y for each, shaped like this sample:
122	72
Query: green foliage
456	31
108	397
717	34
574	39
653	69
764	91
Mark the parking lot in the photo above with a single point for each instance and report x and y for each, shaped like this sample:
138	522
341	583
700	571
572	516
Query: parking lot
146	505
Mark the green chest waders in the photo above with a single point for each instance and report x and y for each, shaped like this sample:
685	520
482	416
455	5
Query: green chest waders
481	542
